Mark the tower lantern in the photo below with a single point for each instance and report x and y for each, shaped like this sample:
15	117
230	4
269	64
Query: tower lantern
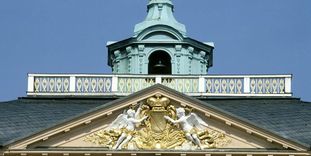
160	46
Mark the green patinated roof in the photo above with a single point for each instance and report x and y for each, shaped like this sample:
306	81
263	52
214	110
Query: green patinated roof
160	12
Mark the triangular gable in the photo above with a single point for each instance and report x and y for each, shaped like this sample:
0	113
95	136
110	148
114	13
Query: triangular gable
233	131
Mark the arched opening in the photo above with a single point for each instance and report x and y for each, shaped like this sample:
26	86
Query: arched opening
160	63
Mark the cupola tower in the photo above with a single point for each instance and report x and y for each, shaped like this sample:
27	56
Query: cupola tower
160	46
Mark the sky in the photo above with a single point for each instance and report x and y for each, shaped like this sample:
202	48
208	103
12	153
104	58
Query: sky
69	36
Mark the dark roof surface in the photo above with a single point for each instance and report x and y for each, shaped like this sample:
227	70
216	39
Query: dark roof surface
287	117
23	117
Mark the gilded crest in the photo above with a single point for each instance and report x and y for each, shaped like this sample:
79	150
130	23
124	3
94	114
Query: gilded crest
157	124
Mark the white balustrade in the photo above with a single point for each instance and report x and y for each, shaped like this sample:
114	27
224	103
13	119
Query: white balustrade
123	85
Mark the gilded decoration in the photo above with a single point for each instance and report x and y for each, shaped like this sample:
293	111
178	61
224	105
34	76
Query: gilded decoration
156	124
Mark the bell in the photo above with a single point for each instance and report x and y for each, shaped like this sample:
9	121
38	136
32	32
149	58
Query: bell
159	65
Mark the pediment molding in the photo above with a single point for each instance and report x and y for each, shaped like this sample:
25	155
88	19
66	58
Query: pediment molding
111	109
160	29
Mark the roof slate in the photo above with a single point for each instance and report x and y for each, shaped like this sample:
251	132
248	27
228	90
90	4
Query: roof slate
287	117
23	117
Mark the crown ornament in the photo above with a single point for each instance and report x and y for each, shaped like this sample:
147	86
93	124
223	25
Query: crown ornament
158	103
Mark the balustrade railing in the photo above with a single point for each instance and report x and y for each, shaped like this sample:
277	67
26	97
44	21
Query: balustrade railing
210	85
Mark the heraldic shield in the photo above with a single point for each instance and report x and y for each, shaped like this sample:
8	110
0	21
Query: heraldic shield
155	123
157	111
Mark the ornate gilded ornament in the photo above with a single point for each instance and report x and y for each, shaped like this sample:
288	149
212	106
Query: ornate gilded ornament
157	124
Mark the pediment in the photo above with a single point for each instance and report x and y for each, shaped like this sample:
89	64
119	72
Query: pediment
138	122
160	33
157	36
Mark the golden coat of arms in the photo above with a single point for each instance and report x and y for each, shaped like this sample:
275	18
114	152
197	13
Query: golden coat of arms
157	124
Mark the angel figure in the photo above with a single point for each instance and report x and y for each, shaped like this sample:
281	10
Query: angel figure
190	124
127	123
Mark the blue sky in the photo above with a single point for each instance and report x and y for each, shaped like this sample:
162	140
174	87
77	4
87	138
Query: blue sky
69	36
